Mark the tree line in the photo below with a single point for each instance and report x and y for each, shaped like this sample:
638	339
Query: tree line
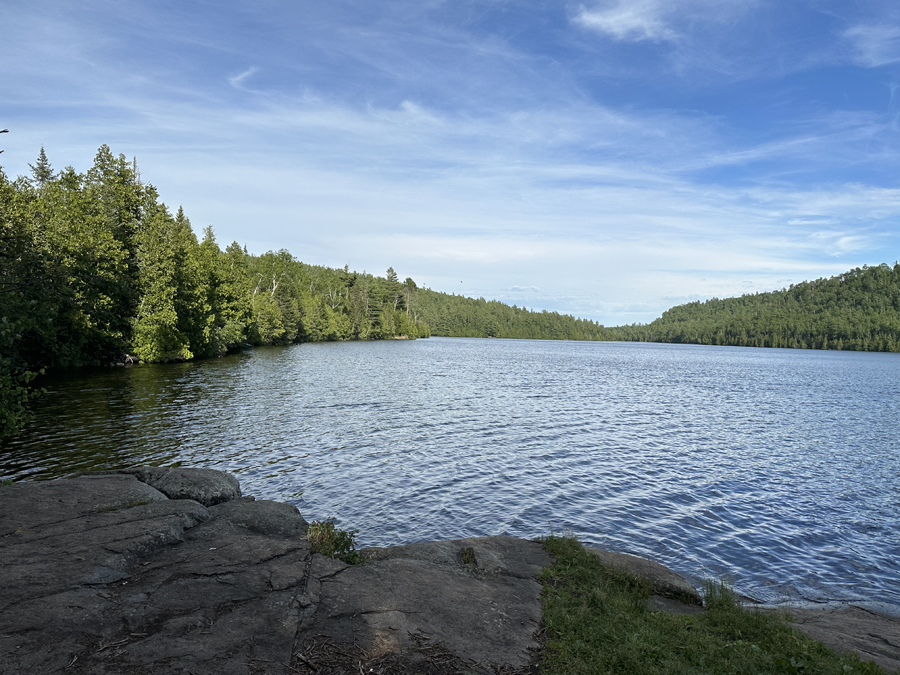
857	310
459	316
94	269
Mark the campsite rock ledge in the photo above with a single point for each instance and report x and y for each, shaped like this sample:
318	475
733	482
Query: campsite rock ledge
152	570
107	574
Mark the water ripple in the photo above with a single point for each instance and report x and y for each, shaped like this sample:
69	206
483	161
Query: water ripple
774	469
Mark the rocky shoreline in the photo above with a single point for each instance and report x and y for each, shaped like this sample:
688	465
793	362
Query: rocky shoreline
153	570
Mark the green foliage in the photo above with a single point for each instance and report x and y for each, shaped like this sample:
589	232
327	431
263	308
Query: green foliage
459	316
41	171
170	293
857	310
597	621
93	266
15	395
333	542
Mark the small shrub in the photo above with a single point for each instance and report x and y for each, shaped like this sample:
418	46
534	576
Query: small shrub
329	540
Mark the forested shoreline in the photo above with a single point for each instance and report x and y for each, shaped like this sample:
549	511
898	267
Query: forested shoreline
94	269
460	316
858	310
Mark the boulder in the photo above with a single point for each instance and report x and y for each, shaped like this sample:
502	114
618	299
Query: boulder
666	583
207	486
263	517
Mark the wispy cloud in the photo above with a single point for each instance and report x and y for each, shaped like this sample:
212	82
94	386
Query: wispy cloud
237	81
537	155
874	44
662	21
629	20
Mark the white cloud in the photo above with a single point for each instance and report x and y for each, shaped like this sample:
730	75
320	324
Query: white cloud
874	44
237	81
672	21
839	242
456	154
629	20
409	114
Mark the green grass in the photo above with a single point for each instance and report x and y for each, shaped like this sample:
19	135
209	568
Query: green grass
329	540
596	621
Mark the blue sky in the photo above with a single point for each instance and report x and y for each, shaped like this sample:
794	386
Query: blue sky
606	159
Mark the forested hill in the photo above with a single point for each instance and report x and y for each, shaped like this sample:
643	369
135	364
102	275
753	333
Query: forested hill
459	316
858	310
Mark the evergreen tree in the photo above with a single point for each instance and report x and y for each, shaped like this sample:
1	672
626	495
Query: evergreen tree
41	172
157	333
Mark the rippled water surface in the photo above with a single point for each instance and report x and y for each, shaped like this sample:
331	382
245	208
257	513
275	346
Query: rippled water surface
774	469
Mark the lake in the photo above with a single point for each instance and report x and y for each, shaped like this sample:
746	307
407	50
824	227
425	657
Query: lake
775	470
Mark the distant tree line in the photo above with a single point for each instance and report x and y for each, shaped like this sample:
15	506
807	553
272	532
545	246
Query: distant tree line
94	268
858	310
459	316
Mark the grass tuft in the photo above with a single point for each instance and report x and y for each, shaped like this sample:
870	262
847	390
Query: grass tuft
596	620
329	540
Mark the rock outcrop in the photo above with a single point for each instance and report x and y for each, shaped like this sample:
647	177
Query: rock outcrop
172	571
154	570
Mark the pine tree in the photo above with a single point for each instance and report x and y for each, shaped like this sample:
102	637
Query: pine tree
41	172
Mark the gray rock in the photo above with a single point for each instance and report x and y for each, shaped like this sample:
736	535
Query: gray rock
44	502
484	615
504	555
104	574
665	582
263	517
874	637
207	486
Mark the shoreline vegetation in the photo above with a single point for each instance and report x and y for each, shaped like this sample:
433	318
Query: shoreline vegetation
95	269
600	619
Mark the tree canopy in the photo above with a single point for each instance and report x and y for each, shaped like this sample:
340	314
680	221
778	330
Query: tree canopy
94	269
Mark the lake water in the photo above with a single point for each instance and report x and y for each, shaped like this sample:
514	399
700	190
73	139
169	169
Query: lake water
776	470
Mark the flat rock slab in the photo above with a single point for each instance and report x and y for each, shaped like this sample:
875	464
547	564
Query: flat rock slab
875	637
473	602
171	571
105	574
